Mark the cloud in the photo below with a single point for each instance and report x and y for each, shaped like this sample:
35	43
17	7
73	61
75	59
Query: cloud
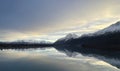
34	17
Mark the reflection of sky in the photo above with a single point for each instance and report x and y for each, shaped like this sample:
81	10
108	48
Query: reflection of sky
38	19
49	60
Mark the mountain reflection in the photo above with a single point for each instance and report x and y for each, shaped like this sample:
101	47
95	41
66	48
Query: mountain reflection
111	57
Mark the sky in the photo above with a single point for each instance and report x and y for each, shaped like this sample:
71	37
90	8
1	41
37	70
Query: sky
53	19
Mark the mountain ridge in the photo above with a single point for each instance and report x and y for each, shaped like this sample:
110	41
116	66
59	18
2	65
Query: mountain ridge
108	40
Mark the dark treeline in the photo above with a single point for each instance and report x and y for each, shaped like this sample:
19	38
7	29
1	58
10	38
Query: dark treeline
4	45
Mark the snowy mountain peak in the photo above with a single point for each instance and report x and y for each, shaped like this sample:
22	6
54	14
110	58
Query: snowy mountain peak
116	24
112	28
71	36
67	37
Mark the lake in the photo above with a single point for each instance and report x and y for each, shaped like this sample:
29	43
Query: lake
50	59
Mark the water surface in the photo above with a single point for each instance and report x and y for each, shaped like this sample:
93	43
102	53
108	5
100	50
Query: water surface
50	60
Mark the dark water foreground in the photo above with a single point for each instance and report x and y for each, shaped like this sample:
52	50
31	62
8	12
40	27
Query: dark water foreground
40	60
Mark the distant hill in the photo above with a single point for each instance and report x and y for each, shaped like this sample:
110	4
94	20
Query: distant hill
21	44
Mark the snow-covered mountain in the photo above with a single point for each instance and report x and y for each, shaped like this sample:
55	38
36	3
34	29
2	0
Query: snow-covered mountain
112	28
107	36
29	42
68	37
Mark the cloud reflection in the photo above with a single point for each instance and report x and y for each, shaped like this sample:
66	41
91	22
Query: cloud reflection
49	60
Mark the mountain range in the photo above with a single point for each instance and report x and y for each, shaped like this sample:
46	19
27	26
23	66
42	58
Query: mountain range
107	39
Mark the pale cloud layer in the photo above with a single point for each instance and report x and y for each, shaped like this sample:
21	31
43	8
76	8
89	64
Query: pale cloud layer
38	19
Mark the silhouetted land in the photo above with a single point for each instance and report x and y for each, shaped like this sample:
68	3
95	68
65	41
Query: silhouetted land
23	45
109	41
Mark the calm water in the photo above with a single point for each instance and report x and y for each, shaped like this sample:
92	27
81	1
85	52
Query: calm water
49	60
